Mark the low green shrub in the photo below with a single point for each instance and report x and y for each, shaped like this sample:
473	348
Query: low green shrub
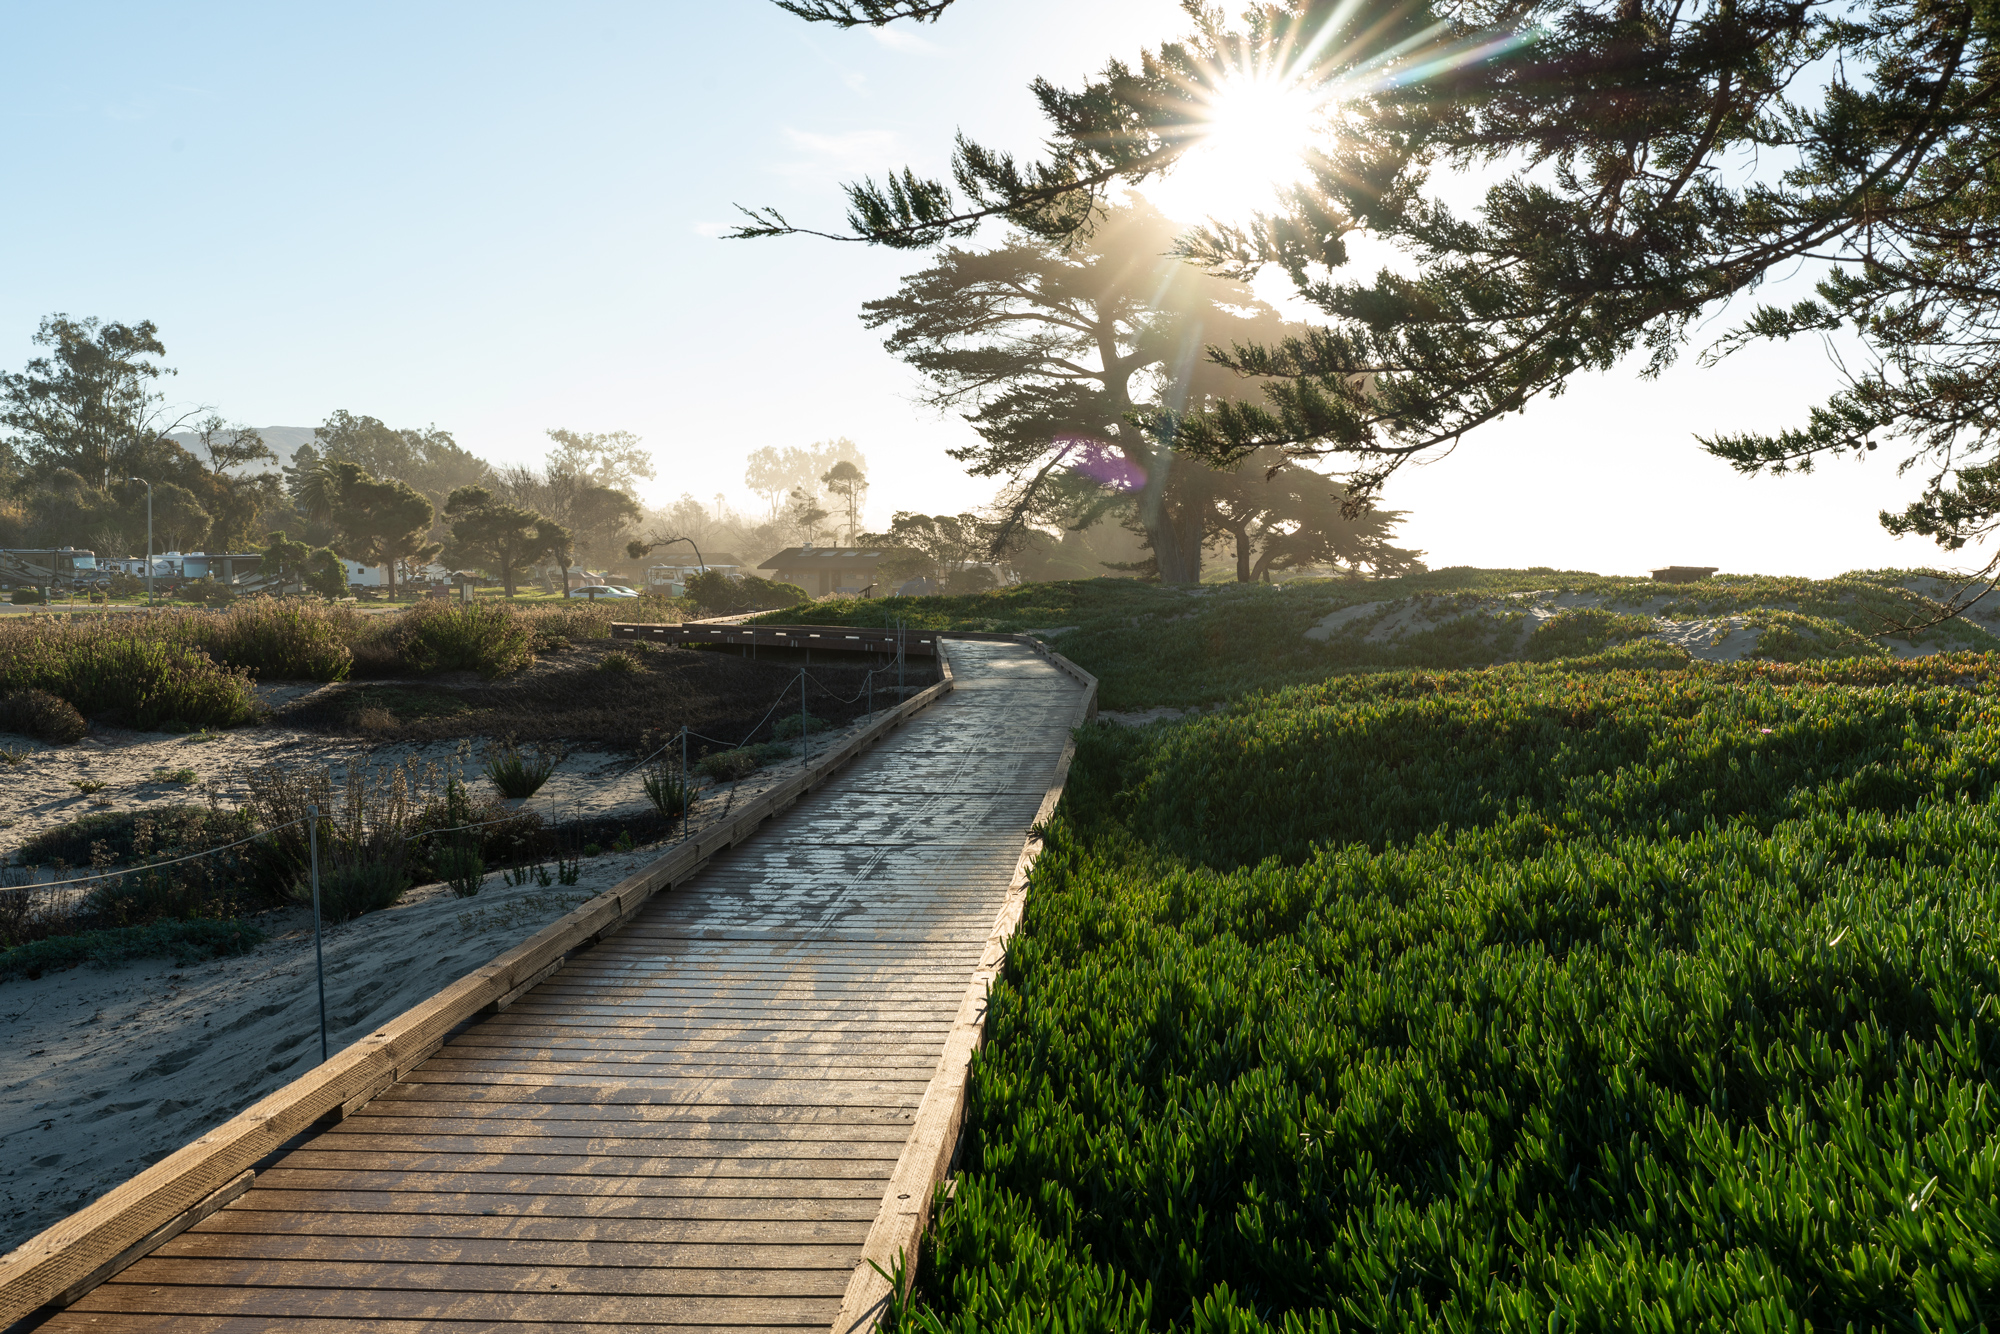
1512	1000
278	638
519	771
184	942
577	620
727	766
1790	636
664	788
471	637
461	869
1551	754
347	890
124	835
794	725
41	715
713	593
363	830
500	836
28	597
618	661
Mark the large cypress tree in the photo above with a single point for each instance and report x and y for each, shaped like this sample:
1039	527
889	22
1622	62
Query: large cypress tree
1060	358
1649	160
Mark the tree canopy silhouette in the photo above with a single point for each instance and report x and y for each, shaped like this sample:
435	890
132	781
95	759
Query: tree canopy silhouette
1649	161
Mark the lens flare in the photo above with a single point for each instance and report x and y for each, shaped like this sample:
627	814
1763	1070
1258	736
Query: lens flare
1252	145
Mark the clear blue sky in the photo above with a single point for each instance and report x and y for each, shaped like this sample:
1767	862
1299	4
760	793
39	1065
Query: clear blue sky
500	218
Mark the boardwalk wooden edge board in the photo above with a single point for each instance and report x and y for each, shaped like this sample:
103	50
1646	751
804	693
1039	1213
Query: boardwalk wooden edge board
70	1257
927	1154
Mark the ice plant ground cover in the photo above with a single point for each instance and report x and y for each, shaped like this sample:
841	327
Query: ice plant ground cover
1198	646
1578	996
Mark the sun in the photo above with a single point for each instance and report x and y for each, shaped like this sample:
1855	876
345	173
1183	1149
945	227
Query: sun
1253	143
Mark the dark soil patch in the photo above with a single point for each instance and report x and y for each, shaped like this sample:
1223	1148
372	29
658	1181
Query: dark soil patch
573	698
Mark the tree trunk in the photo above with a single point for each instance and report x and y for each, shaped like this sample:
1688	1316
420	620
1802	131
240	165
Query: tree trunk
389	565
1176	538
1173	524
1243	572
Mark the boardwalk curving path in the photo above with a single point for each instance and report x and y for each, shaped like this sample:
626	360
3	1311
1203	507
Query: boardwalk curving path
692	1126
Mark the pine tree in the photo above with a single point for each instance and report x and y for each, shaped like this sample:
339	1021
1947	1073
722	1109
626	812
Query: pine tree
502	539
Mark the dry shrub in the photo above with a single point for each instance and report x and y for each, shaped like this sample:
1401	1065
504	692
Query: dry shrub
285	638
41	715
374	718
34	912
364	825
128	664
479	637
579	620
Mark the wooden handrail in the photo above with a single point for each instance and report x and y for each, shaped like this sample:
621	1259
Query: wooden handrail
851	639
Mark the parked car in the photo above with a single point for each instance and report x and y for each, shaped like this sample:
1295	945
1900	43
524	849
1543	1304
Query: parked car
595	591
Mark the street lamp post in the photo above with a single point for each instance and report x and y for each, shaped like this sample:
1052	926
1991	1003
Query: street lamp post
149	536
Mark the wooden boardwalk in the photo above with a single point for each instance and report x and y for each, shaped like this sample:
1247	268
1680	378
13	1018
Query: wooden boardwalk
691	1126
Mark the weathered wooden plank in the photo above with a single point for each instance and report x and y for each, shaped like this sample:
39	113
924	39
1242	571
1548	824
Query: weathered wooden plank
540	1254
726	1042
494	1128
717	1065
796	1092
602	1146
637	1103
722	1014
632	982
456	1277
547	1162
354	1302
501	1209
126	1322
448	1219
566	1183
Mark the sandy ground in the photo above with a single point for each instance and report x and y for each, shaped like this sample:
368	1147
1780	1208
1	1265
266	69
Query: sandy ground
141	770
104	1072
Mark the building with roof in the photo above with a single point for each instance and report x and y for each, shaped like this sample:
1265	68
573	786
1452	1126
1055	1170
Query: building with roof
822	571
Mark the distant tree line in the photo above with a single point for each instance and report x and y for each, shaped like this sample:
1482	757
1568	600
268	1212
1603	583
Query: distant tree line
85	418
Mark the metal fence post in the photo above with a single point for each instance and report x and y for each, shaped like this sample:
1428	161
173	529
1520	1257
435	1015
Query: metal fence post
319	957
